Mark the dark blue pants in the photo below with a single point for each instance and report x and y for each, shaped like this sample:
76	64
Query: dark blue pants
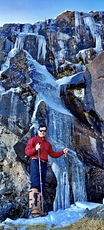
35	174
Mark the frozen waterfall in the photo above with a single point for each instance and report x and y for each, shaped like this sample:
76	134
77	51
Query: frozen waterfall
60	125
60	129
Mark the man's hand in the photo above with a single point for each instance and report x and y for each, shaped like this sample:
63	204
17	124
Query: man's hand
65	150
37	146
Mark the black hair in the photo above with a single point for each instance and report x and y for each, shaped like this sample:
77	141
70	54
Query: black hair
41	125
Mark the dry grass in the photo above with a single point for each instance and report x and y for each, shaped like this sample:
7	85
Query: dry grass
29	227
85	224
37	227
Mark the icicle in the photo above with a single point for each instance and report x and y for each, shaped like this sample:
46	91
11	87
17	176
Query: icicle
33	119
19	41
78	181
58	123
89	21
41	47
6	64
18	45
94	28
77	24
62	191
98	47
62	199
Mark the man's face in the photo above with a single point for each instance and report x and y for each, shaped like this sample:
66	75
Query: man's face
42	131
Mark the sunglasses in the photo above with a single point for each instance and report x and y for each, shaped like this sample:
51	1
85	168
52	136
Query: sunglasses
42	130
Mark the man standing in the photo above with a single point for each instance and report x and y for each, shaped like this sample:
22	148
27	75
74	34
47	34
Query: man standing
38	149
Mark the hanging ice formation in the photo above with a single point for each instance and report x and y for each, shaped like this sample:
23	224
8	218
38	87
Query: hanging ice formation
60	126
87	20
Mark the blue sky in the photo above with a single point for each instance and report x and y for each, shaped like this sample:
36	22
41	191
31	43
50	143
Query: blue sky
31	11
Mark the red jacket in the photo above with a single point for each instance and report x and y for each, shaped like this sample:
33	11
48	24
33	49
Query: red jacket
45	149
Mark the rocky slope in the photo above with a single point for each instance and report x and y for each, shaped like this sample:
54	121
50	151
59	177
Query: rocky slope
71	49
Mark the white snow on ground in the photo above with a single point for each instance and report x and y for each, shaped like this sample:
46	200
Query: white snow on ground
61	218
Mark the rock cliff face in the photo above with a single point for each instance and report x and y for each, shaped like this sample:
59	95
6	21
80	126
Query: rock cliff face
51	67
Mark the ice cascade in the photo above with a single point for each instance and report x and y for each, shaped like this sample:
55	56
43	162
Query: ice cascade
60	125
60	128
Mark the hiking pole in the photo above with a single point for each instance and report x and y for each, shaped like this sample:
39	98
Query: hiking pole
41	189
